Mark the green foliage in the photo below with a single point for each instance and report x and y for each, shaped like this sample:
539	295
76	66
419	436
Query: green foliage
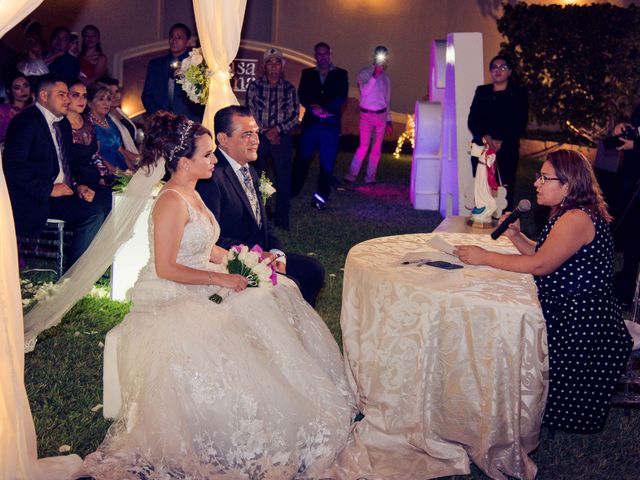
581	64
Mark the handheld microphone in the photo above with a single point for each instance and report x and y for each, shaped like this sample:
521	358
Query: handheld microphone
523	207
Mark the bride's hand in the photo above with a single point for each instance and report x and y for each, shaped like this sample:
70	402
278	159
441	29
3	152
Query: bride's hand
233	281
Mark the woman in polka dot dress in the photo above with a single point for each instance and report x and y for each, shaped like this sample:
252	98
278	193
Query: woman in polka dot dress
572	264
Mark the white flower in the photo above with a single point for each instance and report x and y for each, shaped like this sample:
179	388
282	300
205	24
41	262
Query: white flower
264	274
64	448
195	57
184	65
252	259
266	188
243	253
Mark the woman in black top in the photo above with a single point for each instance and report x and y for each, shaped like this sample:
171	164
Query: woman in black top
85	165
498	117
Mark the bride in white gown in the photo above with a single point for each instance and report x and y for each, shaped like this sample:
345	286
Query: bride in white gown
253	387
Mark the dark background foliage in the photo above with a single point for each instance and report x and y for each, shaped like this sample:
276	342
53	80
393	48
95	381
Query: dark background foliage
581	64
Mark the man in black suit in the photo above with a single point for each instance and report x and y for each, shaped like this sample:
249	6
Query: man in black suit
322	90
36	169
161	92
233	195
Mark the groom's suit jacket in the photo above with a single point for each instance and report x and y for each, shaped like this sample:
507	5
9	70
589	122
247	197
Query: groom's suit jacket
224	195
30	164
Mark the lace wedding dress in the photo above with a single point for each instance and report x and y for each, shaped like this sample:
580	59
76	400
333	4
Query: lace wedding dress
253	387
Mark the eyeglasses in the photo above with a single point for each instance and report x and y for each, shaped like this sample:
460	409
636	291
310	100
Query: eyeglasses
502	67
543	178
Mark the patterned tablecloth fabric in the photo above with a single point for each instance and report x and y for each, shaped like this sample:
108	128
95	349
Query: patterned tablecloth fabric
447	365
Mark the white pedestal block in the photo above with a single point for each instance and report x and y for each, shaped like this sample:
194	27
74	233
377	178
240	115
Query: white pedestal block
131	256
425	166
464	74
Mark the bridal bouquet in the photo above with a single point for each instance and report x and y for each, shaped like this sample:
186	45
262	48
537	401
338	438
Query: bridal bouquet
193	75
251	264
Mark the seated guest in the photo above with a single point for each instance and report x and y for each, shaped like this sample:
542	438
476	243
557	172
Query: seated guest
125	125
111	146
572	264
93	63
35	162
32	64
93	179
19	91
233	195
60	61
74	45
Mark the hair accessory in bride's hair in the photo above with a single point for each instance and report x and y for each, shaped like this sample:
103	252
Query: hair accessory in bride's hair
184	133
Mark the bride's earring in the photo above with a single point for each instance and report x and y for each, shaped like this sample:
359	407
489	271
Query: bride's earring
186	168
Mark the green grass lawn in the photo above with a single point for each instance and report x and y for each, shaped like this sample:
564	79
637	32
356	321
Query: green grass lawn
64	373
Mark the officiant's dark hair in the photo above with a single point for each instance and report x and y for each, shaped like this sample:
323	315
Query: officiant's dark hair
223	119
171	137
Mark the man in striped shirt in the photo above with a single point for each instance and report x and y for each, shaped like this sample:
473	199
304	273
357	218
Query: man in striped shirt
274	103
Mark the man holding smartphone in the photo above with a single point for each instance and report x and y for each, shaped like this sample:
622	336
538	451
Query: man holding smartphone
375	115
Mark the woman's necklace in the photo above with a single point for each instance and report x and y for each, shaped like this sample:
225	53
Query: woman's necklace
102	122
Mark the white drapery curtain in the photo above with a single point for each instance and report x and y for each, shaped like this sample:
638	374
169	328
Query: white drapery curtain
219	23
18	448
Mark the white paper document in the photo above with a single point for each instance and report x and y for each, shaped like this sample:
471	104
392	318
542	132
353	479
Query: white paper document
439	243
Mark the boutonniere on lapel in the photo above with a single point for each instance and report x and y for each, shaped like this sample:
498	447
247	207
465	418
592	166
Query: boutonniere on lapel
266	188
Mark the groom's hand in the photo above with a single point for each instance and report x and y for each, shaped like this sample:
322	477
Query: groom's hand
281	267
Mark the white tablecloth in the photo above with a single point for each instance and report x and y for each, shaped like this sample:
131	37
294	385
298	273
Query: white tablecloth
447	365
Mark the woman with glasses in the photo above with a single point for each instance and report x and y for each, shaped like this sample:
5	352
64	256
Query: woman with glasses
498	117
572	264
85	164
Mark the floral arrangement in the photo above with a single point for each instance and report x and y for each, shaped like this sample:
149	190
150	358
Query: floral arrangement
122	179
193	75
252	264
266	188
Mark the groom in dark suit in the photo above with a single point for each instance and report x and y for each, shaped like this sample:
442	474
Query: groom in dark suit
233	195
35	165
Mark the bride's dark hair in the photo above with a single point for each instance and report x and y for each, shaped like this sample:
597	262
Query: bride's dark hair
170	136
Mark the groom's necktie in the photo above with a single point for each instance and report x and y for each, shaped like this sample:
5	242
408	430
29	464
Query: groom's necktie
251	194
63	160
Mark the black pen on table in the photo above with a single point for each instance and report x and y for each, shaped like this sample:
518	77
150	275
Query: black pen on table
422	260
